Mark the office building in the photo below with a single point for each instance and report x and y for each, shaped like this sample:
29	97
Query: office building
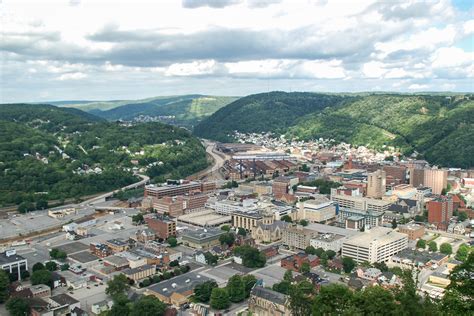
162	227
327	242
357	202
374	245
395	174
246	220
174	189
440	211
316	211
168	205
297	236
202	238
376	184
370	218
436	179
414	231
13	264
117	245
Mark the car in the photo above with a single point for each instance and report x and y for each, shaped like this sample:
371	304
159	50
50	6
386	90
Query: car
88	287
96	285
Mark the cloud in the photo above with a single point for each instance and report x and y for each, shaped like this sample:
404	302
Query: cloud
217	4
417	86
72	76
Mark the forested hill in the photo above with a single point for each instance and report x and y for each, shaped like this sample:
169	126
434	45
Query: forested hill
184	110
438	127
50	153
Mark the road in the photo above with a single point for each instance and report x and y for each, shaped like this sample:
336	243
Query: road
218	160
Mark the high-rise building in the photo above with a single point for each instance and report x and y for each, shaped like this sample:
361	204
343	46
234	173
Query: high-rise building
395	174
298	237
163	228
376	183
417	177
436	179
440	211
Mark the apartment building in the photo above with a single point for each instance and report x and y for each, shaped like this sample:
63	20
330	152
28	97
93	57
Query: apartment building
357	202
414	231
440	211
162	227
169	205
327	242
370	218
374	245
298	237
436	179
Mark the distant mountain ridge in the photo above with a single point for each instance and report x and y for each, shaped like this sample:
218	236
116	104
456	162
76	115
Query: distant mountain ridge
184	110
439	127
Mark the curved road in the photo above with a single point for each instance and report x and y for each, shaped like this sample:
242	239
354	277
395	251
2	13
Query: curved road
212	172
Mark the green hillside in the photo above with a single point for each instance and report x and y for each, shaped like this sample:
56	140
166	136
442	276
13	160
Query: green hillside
186	110
439	128
48	153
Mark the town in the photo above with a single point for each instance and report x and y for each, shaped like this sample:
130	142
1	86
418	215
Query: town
269	214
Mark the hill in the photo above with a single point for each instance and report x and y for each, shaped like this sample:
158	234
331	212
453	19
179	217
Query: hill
50	153
185	110
440	128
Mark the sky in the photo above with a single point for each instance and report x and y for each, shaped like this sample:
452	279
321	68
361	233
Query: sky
113	49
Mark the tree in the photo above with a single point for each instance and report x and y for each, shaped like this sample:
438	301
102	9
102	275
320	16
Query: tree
333	299
58	254
236	289
210	258
18	306
42	277
324	259
421	243
242	232
202	292
462	216
432	246
282	287
304	222
381	266
394	223
172	241
225	228
407	295
138	218
64	267
300	298
219	298
251	257
458	298
305	268
331	254
375	300
446	249
463	252
288	276
319	251
117	286
348	264
26	207
249	281
227	239
24	274
286	218
174	263
4	283
38	266
121	306
41	204
148	305
51	266
310	250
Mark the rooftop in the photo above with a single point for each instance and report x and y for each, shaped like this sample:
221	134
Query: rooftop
183	283
269	295
13	257
203	234
138	269
375	234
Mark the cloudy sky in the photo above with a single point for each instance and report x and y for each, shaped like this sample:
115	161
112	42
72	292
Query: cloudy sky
113	49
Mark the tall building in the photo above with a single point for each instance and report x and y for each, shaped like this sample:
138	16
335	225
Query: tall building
359	203
436	179
440	211
376	184
417	177
298	237
395	174
316	211
163	228
374	245
168	205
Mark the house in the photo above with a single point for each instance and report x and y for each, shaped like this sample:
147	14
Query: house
140	273
294	262
145	235
266	302
61	304
200	257
101	306
369	273
16	289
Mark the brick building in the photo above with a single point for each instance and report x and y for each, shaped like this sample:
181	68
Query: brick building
414	231
440	211
163	228
294	262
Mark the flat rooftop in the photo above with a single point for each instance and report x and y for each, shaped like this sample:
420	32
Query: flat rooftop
203	234
183	283
4	259
379	234
83	257
73	247
326	229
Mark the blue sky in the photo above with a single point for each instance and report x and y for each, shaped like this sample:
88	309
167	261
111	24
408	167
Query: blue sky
104	49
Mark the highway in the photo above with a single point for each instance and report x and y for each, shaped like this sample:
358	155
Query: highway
218	159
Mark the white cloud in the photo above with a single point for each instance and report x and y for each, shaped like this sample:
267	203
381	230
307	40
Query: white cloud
72	76
417	86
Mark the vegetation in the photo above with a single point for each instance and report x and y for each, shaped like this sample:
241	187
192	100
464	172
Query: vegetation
38	266
4	283
172	241
118	286
202	292
286	218
421	243
210	258
57	254
432	246
18	306
463	252
304	222
219	298
51	266
236	289
446	248
323	185
50	154
227	239
439	128
42	277
251	257
348	264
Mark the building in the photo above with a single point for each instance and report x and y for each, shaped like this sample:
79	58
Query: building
163	228
246	220
376	184
13	264
294	262
374	245
395	174
117	245
370	218
316	211
417	177
102	306
416	259
100	250
327	242
299	237
145	235
61	304
266	302
140	273
172	188
268	230
168	205
414	231
40	290
357	202
119	263
193	202
436	179
178	290
440	211
202	238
